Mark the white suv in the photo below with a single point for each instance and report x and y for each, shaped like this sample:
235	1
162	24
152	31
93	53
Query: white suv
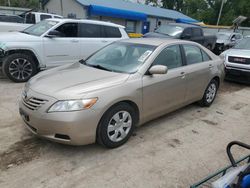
53	42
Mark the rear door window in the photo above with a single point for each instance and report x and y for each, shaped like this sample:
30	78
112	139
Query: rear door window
44	17
193	54
90	31
112	32
205	56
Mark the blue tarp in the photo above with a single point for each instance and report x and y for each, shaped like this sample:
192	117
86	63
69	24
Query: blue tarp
118	13
187	21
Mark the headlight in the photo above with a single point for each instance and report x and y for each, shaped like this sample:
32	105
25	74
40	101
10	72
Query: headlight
72	105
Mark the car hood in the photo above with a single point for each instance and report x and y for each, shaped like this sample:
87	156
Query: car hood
155	35
74	81
237	53
16	37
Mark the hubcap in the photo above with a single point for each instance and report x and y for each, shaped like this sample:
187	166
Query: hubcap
211	92
119	126
20	69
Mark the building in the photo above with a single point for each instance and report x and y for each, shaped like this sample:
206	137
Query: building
137	18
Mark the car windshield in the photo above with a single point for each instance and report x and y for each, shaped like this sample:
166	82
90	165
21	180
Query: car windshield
120	57
243	44
223	36
171	30
40	28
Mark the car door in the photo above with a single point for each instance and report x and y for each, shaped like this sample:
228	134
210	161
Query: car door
198	71
62	49
94	37
164	93
197	36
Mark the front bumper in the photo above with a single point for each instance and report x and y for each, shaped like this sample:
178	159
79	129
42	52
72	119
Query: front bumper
74	128
237	74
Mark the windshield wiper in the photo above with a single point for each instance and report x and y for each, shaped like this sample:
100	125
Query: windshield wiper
82	61
25	32
100	67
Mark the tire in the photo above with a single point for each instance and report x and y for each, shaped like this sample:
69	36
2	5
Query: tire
19	67
109	132
209	94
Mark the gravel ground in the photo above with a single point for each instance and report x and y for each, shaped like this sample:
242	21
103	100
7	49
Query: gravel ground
173	151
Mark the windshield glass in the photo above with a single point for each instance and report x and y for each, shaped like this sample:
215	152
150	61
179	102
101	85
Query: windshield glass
223	36
121	57
40	28
243	44
171	30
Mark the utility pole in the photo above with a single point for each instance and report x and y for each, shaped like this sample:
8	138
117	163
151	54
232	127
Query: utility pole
221	8
9	3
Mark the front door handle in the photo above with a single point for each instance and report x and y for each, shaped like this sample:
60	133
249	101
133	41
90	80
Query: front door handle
104	41
210	66
182	75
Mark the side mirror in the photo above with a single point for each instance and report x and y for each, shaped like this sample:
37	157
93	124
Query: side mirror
53	34
186	36
158	69
233	39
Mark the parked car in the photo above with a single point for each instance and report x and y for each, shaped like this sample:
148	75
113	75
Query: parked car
54	42
237	61
125	84
226	40
184	31
19	23
11	18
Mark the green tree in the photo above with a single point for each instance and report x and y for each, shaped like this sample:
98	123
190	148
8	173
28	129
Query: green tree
20	3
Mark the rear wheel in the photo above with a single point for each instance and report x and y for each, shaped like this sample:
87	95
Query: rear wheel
19	67
116	126
209	94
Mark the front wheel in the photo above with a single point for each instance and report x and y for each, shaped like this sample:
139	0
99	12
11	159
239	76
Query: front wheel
209	94
19	67
116	126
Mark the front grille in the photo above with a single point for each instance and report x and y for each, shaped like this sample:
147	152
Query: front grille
239	60
33	103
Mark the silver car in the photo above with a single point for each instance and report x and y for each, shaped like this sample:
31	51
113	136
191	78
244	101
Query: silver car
237	62
119	87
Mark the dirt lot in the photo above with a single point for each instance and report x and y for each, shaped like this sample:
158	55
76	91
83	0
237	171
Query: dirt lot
171	152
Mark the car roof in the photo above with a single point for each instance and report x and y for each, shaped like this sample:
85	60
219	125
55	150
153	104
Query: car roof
86	21
184	25
155	41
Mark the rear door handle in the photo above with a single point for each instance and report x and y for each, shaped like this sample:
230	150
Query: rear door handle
104	41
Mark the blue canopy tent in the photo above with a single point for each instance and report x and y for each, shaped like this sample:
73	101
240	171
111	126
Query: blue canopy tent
118	13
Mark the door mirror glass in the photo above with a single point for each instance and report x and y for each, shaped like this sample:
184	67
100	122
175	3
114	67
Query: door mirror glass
158	69
53	34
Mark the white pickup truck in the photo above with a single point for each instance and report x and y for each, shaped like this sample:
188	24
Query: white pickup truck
53	42
19	23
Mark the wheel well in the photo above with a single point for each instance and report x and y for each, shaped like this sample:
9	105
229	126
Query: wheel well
27	52
217	79
135	107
